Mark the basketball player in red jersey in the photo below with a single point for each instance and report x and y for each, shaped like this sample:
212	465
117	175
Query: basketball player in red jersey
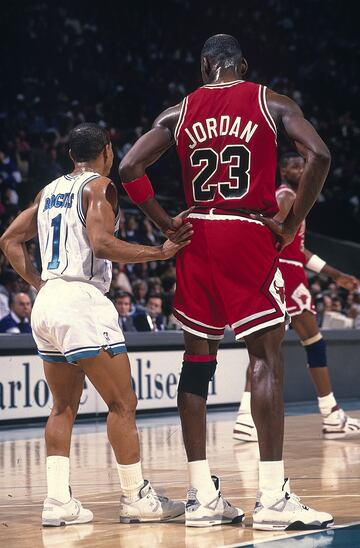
300	306
225	134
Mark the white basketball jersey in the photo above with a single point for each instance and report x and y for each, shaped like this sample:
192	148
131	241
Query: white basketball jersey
64	244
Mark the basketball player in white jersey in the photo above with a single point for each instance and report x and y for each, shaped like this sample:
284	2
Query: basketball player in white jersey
76	327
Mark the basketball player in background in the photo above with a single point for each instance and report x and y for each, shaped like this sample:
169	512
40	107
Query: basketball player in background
225	133
300	306
76	327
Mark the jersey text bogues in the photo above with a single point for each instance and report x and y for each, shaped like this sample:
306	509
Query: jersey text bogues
64	244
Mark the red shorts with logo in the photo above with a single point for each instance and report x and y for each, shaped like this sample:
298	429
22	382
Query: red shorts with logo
228	275
297	293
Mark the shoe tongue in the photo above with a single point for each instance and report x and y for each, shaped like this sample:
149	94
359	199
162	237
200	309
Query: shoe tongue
216	482
145	488
286	486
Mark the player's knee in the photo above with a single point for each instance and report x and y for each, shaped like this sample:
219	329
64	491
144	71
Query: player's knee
124	405
316	351
196	373
63	407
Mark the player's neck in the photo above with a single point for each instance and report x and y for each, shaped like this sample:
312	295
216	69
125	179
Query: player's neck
223	76
83	167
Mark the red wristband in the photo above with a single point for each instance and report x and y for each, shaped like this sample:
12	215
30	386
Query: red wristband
139	190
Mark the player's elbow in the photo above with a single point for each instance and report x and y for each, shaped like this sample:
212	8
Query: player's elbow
323	157
3	243
99	248
130	169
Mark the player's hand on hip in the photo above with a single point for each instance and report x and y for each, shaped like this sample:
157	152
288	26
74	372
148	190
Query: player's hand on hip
177	222
180	238
284	234
348	282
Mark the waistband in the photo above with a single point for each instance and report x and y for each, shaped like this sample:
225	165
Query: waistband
222	211
219	214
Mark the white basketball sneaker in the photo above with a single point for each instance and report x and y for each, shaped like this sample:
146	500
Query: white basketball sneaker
149	507
245	429
56	513
216	512
286	513
339	425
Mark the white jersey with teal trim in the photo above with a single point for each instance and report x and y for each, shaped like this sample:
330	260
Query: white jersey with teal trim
64	244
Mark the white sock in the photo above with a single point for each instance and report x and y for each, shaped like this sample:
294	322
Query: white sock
245	406
58	476
131	479
271	477
200	479
326	404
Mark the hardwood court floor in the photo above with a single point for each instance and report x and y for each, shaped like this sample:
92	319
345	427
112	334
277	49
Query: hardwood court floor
326	474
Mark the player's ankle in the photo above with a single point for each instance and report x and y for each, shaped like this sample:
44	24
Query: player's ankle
271	476
58	472
131	480
327	404
201	480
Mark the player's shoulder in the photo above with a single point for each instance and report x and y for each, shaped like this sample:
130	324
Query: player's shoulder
99	184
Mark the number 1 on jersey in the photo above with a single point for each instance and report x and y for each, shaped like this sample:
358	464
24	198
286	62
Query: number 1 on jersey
54	263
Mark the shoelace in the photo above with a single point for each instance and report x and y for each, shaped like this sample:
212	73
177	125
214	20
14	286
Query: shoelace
294	498
160	498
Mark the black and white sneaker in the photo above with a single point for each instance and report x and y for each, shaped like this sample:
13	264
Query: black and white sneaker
286	512
216	512
339	425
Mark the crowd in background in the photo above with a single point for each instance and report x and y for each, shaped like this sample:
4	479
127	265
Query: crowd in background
72	62
142	293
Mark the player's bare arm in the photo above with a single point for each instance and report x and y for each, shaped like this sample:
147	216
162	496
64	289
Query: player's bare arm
13	244
347	281
100	203
285	202
149	148
289	117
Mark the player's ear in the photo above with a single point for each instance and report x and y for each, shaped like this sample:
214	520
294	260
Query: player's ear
72	159
243	66
107	151
205	67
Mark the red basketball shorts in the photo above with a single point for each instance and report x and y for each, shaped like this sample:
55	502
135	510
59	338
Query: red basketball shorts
298	296
228	275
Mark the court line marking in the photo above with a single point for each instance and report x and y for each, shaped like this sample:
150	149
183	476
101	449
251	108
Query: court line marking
286	535
117	501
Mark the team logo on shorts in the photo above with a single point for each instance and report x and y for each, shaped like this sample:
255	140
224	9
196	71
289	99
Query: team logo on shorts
280	290
106	335
302	297
277	289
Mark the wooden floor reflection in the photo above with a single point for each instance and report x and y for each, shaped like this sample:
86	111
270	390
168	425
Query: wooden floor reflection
326	474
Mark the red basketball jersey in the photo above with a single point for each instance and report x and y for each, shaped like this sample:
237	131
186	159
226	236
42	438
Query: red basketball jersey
226	142
295	250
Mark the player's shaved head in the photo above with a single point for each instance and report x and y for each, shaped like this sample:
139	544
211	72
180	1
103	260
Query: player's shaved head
222	53
87	141
223	50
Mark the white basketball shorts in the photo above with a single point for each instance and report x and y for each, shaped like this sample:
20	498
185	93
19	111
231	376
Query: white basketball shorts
73	320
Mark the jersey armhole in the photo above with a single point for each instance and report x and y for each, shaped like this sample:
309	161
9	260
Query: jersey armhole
80	207
181	119
265	109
